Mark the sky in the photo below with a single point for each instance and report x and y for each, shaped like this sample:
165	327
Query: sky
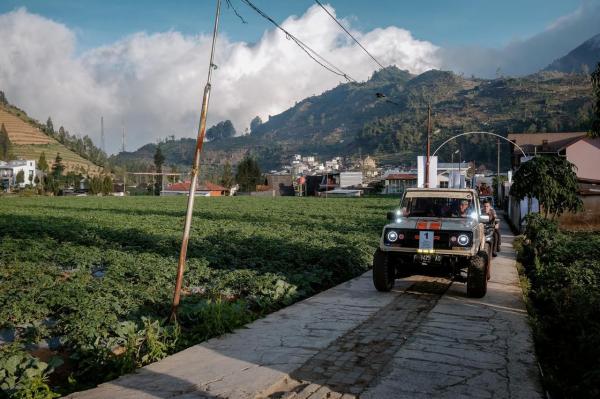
142	65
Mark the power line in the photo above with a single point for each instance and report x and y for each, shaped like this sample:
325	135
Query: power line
229	5
309	51
349	34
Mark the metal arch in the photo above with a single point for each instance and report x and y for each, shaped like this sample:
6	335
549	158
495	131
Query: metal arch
489	133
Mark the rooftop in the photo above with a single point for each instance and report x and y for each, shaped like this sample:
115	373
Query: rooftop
185	186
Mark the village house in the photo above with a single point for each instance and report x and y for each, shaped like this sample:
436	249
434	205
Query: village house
9	172
581	151
398	182
206	189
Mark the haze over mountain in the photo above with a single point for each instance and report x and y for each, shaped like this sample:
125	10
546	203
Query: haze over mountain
584	58
349	119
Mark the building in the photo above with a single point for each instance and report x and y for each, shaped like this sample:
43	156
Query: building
584	153
9	172
577	148
206	189
580	150
397	183
280	183
368	167
540	143
332	181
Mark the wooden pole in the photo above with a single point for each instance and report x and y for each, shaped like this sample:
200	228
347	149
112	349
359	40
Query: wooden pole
194	173
428	145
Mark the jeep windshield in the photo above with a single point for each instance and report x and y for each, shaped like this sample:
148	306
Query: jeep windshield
441	207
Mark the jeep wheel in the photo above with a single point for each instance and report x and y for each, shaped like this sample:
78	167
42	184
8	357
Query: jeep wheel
384	271
477	275
488	251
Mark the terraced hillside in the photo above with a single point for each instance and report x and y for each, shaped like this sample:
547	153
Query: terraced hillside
29	142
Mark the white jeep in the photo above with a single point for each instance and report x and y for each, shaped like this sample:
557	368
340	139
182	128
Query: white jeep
435	231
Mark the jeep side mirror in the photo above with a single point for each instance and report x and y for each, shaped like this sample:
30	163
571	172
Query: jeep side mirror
484	219
395	214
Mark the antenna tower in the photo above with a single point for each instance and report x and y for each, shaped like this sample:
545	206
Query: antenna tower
102	134
123	138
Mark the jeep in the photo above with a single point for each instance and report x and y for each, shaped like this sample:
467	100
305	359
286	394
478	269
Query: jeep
437	230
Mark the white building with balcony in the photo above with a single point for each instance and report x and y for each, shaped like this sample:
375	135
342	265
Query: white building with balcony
9	173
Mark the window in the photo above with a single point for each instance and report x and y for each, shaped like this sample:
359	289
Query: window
437	207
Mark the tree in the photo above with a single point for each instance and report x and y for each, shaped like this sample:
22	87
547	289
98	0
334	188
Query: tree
95	185
3	99
159	160
49	127
51	184
227	176
107	185
595	128
248	174
58	167
254	124
63	135
5	145
42	163
20	177
550	179
221	130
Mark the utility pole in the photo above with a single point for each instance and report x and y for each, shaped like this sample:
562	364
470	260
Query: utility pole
498	169
194	173
428	144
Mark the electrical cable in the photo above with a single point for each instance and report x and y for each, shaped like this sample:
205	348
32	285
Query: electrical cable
229	5
349	34
309	51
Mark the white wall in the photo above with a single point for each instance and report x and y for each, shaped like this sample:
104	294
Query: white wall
28	170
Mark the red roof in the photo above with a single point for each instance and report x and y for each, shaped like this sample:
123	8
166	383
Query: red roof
185	186
401	176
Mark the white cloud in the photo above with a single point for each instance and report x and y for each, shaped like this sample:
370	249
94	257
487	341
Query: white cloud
154	83
529	55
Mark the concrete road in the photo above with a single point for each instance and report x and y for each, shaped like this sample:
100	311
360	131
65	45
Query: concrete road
424	339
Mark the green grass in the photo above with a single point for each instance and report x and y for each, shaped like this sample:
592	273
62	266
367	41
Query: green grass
247	257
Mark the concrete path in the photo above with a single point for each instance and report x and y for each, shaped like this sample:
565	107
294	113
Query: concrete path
422	340
466	347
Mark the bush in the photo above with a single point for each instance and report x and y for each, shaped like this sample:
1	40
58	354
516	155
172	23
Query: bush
564	271
24	376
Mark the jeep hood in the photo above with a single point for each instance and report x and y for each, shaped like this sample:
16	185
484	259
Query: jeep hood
426	223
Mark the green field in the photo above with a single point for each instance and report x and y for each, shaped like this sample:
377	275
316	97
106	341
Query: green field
95	276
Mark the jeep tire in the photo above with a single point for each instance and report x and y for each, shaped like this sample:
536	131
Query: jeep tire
384	271
488	251
477	275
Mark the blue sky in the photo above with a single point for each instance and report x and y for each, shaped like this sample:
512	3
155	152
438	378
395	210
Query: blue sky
444	23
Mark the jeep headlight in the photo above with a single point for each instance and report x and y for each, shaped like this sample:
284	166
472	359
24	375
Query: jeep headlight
463	239
392	236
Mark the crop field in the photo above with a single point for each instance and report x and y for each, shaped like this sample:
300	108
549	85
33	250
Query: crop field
86	283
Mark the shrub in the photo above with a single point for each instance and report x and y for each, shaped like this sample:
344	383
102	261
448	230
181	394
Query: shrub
564	271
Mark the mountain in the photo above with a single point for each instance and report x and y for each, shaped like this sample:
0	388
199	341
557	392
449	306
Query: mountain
350	119
28	141
584	58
